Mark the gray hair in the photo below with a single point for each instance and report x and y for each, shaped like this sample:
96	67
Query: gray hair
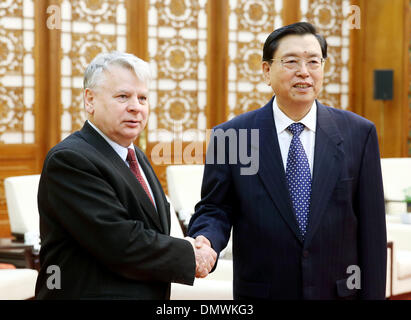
102	61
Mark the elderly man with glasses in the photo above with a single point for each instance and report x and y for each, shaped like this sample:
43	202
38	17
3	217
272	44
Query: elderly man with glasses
310	223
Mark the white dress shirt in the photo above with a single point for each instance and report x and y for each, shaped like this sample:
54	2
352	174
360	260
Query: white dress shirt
122	152
307	137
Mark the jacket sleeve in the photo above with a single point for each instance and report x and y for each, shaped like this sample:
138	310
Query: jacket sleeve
371	218
75	196
213	214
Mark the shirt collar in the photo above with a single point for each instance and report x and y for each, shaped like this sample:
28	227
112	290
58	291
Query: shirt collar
119	149
282	121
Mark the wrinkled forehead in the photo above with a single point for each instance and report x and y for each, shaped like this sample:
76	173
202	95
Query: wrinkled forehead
115	73
305	45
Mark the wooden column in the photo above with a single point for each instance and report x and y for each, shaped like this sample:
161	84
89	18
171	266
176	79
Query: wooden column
137	28
217	62
137	42
47	78
291	12
382	43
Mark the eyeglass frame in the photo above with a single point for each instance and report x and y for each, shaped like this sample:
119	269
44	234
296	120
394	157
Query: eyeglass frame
299	64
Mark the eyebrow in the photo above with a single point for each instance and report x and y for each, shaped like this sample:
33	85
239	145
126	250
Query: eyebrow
121	91
294	54
130	91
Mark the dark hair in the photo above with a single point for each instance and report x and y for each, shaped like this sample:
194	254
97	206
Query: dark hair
299	28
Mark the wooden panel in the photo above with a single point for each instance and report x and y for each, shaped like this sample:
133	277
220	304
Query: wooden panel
5	231
15	160
291	12
48	89
19	38
382	43
217	61
177	49
408	21
330	21
250	24
137	42
137	31
17	119
87	29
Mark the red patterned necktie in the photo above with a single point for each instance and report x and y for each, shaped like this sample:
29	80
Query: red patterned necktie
131	159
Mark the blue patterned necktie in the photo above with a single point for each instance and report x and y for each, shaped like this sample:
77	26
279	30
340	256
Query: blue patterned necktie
299	177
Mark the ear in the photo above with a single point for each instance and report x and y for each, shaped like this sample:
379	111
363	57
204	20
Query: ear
266	67
89	100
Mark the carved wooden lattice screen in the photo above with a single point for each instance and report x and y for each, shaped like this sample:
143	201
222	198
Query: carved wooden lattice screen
177	45
177	48
250	24
178	38
88	28
17	120
17	114
329	17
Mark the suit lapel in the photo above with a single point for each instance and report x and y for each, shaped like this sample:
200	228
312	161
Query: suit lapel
328	157
96	140
271	169
162	211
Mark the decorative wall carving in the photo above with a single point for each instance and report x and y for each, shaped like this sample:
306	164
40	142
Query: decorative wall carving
177	49
88	28
17	121
330	19
250	24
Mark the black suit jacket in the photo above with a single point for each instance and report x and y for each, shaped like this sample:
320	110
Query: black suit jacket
347	219
100	228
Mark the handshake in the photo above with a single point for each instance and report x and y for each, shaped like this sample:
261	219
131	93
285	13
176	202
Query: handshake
205	256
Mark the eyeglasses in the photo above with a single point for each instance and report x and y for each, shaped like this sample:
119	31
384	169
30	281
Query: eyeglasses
293	63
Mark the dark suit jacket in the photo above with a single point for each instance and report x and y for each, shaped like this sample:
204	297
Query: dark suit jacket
100	228
347	218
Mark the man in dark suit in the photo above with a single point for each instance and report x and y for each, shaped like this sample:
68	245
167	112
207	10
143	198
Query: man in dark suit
104	218
308	219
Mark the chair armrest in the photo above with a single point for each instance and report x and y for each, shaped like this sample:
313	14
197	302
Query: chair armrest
31	257
400	234
6	243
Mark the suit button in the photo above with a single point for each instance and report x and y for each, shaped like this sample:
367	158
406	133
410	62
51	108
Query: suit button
306	253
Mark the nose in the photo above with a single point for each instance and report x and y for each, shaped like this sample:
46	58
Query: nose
135	105
302	71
